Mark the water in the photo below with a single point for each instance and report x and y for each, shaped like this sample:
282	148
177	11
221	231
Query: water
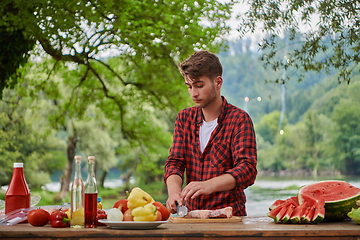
112	183
260	196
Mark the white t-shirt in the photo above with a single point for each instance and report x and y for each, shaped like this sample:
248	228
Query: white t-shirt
205	131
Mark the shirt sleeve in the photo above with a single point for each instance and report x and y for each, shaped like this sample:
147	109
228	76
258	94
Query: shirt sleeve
175	163
244	153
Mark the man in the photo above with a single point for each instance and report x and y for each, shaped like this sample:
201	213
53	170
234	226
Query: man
213	142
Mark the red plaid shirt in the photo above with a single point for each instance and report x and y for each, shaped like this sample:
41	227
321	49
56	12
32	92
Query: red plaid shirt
231	149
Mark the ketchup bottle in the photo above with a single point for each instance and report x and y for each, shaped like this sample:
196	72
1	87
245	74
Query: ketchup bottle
18	194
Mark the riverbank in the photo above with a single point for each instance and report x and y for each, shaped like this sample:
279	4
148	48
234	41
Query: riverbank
300	173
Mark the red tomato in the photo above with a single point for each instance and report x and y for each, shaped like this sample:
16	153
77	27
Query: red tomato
122	203
128	216
38	217
158	216
165	212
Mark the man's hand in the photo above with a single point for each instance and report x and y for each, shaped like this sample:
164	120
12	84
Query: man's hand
196	188
225	182
174	183
171	202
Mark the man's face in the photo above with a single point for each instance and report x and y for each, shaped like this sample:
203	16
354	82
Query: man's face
202	91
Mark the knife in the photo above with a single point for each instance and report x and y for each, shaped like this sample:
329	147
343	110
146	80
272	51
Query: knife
181	210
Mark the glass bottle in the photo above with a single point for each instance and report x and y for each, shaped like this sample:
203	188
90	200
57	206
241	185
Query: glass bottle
77	197
18	194
91	193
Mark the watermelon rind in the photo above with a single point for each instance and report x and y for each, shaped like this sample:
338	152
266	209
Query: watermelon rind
318	218
335	210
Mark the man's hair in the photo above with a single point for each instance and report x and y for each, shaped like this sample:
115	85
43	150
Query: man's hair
201	63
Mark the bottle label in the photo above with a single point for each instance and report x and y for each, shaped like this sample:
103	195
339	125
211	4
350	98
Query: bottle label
14	202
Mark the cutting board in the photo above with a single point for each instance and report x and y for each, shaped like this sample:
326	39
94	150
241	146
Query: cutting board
208	220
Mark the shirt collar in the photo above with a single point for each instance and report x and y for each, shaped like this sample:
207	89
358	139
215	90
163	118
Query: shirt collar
199	117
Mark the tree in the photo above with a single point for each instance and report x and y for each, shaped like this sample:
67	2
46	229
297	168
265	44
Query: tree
25	139
87	31
324	35
124	55
345	137
91	124
14	48
268	127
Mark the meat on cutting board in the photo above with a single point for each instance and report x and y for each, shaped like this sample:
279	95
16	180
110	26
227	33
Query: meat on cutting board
204	214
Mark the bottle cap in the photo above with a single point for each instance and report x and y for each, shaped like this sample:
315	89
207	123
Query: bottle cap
91	159
78	158
18	165
99	199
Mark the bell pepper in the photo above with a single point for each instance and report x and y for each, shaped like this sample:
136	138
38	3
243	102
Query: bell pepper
101	214
59	219
138	197
144	213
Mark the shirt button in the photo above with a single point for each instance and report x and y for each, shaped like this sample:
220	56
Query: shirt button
200	179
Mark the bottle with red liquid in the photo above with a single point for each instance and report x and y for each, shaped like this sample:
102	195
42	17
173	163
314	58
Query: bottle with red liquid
91	193
18	194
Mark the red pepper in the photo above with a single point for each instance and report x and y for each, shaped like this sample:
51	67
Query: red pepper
59	219
101	214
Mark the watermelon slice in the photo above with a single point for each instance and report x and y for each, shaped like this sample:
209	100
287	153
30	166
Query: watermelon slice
339	197
297	213
280	215
308	215
319	213
276	204
287	214
280	210
315	212
272	214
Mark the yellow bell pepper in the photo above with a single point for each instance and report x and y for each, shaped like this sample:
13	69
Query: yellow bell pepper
144	213
138	197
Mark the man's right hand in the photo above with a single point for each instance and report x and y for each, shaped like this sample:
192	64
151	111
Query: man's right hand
172	202
174	183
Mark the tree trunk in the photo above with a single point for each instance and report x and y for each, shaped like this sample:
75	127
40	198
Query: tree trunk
126	179
102	178
66	176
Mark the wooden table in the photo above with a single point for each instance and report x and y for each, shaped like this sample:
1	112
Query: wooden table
250	228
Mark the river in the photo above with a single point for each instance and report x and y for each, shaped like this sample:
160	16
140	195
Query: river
259	196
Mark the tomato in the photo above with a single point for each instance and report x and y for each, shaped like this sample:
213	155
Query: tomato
38	217
122	203
128	216
165	212
158	216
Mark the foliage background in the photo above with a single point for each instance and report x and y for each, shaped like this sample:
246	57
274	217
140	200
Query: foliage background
70	99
